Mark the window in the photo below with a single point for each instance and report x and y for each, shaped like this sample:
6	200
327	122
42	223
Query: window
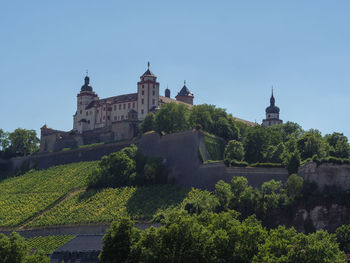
97	111
153	101
115	107
90	112
142	101
81	112
87	113
88	121
133	105
154	86
81	103
124	106
268	115
143	92
122	117
104	117
129	105
153	92
120	106
143	86
108	118
141	111
115	118
104	109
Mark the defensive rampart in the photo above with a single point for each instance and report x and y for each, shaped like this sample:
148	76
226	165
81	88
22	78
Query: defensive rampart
180	152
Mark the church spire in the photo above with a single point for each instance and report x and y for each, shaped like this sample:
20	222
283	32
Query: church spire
272	99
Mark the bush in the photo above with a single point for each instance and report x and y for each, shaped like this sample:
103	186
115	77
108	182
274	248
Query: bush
234	150
238	163
127	167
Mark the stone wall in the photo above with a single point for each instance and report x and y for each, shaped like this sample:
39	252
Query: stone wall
180	153
326	174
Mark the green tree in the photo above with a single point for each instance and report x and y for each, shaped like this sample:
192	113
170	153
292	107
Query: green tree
4	140
23	142
234	150
255	144
294	186
339	145
292	161
310	144
172	118
14	249
118	241
343	237
223	194
148	123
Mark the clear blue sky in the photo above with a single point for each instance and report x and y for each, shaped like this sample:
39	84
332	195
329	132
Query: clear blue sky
229	52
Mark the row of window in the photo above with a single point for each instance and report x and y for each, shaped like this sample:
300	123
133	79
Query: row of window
143	92
143	86
153	101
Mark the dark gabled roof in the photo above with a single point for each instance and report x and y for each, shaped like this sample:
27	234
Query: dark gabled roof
111	100
185	92
83	243
148	73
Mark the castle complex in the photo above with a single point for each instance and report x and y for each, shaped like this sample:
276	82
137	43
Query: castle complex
116	118
111	119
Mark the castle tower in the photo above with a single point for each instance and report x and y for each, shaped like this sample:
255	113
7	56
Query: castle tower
167	92
147	93
83	119
272	114
185	95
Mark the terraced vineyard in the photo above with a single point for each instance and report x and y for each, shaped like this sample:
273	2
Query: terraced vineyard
140	203
57	196
48	244
25	196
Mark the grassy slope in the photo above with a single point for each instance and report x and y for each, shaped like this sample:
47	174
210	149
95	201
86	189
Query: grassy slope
48	244
23	197
215	146
140	203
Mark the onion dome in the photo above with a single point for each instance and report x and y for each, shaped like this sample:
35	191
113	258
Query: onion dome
86	86
167	92
272	108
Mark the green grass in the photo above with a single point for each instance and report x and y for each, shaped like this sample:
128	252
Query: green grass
48	244
141	203
25	196
215	146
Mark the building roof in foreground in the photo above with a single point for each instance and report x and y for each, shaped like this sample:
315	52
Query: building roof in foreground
83	243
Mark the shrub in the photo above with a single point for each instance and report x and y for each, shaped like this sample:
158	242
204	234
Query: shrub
238	163
234	150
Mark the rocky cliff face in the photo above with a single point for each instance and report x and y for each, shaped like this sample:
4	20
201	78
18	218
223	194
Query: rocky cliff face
326	174
321	217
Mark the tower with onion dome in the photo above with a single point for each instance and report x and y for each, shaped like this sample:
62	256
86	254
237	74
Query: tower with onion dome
272	114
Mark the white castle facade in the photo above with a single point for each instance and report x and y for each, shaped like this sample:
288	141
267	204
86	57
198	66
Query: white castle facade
94	113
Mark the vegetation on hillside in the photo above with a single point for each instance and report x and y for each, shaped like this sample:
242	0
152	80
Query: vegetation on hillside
25	196
128	167
286	144
47	244
104	206
20	142
216	237
15	249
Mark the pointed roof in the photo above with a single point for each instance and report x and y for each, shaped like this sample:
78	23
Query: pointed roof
272	108
86	86
185	91
148	73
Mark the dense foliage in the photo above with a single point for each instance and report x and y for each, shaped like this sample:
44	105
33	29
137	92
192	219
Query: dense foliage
216	237
128	167
14	249
18	143
287	144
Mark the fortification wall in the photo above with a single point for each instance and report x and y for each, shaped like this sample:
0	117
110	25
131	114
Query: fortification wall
46	160
326	174
180	153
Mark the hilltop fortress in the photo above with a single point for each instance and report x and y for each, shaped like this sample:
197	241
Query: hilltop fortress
117	118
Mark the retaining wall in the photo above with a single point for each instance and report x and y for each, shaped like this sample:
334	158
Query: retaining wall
180	152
